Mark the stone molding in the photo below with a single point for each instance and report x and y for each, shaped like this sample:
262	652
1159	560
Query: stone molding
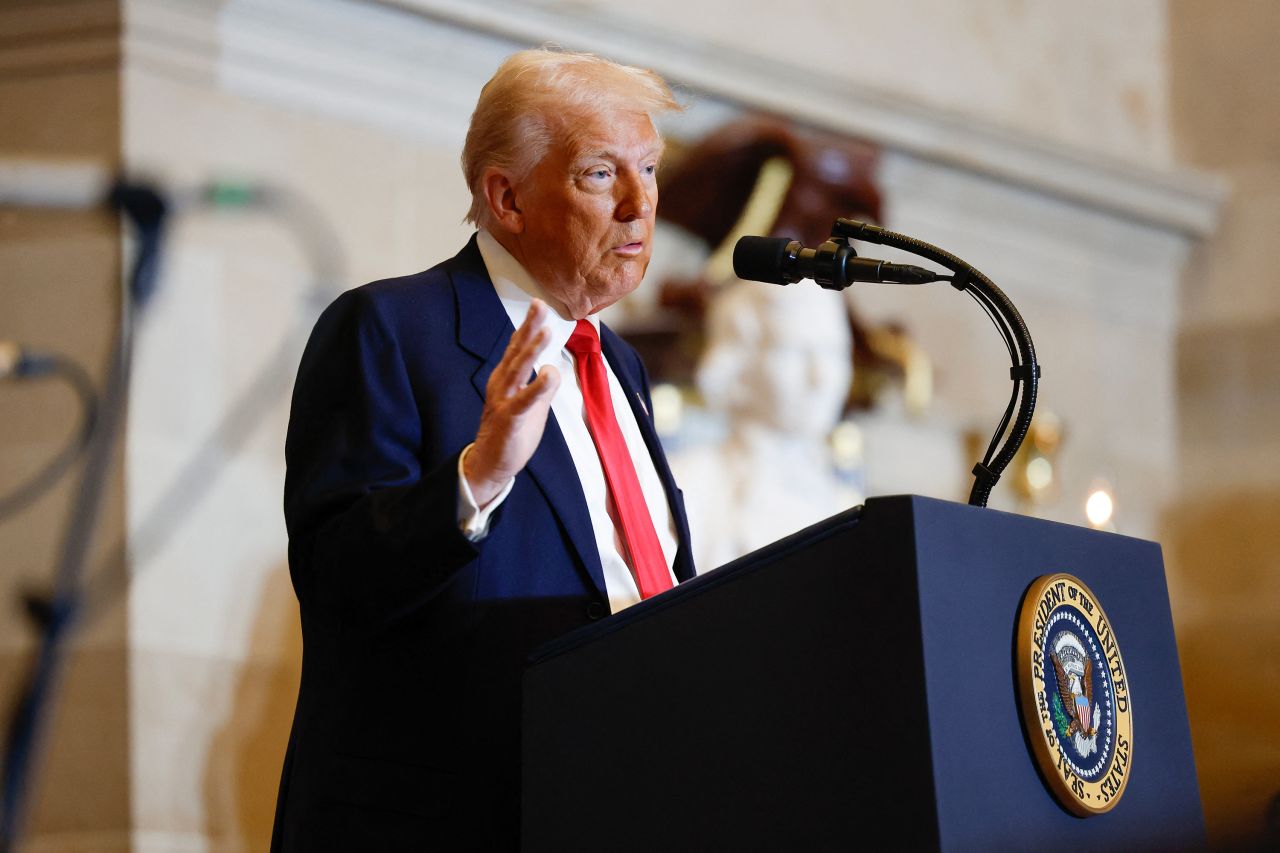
362	60
1181	200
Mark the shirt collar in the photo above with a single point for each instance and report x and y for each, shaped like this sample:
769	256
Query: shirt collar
517	289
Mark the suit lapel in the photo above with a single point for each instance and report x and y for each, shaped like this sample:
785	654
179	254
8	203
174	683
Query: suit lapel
611	346
484	330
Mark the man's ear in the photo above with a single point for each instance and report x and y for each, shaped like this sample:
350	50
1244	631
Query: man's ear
500	197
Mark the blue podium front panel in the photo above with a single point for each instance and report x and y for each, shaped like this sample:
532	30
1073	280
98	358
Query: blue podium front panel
974	567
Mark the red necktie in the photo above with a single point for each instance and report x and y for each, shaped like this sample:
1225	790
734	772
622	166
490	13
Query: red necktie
647	561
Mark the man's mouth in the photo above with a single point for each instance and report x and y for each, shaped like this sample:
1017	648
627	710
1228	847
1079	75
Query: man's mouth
630	249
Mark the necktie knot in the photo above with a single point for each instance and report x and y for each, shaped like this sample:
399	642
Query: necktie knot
584	339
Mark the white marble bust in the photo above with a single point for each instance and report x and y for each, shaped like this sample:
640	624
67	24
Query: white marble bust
777	369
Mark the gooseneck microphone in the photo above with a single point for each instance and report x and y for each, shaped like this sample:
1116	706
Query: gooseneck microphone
833	265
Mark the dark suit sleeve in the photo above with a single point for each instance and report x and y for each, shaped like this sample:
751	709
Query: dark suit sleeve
373	532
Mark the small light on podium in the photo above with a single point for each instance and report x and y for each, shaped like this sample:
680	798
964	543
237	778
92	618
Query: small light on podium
1039	474
1035	467
847	446
1099	508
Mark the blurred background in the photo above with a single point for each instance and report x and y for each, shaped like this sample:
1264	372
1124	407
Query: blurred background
1113	167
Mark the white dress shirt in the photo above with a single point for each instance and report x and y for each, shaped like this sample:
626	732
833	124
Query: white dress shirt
516	289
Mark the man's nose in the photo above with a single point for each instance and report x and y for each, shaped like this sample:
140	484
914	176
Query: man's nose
633	200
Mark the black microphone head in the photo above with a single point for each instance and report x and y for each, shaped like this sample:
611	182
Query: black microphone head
761	259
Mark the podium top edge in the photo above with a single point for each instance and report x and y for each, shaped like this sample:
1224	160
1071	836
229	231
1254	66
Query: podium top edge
698	585
874	507
940	504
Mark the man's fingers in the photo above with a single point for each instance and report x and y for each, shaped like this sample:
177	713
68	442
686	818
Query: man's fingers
523	361
551	376
502	377
531	338
532	322
540	389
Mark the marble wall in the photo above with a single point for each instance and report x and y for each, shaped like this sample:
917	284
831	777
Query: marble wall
1092	74
1221	541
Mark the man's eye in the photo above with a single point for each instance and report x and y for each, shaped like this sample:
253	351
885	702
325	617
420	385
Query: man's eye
598	174
652	168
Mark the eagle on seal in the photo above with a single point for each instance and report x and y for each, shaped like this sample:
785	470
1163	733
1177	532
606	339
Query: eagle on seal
1076	690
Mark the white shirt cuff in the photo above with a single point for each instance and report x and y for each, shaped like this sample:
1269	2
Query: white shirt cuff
473	520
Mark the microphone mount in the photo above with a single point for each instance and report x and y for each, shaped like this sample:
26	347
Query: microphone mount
835	265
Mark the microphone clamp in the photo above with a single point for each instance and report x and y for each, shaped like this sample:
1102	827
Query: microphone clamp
834	265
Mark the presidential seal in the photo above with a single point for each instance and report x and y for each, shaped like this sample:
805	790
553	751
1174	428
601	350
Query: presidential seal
1074	695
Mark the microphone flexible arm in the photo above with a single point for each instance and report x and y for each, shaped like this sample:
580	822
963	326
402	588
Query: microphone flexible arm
1025	370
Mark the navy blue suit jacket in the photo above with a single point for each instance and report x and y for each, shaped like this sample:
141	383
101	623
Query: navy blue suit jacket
406	733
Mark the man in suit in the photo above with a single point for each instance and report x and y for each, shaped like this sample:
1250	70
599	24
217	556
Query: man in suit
473	470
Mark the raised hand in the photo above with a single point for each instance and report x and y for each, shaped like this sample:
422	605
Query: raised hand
515	410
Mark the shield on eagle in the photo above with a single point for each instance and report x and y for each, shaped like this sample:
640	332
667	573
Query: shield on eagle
1074	671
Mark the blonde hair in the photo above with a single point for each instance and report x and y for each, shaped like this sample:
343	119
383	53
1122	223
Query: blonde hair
531	95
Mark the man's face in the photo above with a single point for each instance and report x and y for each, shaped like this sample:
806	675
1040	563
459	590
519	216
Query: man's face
588	210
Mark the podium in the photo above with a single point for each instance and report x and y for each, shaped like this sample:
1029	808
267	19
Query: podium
853	683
